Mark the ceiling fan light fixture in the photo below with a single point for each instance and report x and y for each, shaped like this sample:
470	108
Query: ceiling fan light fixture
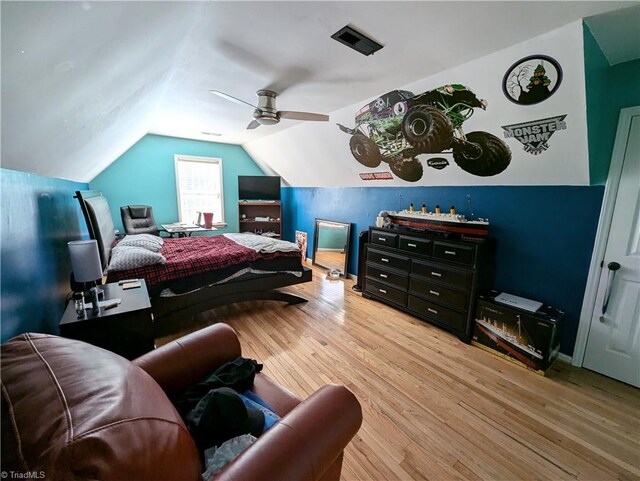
266	117
350	37
267	120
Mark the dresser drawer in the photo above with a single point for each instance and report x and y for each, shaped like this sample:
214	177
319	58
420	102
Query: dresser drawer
440	274
414	245
451	318
454	252
388	260
384	238
439	294
387	293
388	277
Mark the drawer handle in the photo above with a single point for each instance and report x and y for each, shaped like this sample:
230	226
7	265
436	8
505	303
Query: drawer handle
383	291
384	276
435	293
432	311
382	239
436	274
451	253
384	260
411	245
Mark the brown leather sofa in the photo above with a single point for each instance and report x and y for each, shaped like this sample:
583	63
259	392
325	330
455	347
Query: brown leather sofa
72	411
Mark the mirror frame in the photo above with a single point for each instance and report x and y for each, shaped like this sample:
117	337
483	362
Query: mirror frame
346	247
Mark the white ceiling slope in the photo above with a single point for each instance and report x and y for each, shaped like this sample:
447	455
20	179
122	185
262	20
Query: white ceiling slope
83	81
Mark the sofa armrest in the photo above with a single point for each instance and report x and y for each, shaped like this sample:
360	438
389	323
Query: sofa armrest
185	361
304	444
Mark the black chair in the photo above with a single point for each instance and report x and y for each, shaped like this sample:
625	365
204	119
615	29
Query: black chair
138	219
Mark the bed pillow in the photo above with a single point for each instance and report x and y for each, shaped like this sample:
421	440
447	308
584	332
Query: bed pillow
132	257
147	241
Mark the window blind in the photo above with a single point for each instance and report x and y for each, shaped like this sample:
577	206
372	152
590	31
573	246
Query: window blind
199	186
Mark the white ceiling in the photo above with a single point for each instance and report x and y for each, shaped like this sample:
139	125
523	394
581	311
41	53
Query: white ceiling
83	81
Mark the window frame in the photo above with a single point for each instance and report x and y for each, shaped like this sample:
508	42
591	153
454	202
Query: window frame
177	158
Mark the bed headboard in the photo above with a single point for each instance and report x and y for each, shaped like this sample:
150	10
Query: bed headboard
97	215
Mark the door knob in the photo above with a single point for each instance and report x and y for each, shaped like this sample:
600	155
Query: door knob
613	268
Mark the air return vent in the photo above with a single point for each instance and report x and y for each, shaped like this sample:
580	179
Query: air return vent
357	41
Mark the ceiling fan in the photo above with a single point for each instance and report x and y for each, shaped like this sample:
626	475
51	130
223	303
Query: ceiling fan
266	113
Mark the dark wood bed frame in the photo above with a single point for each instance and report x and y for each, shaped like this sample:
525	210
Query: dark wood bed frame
171	309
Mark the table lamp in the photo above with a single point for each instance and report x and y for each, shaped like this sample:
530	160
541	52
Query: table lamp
85	261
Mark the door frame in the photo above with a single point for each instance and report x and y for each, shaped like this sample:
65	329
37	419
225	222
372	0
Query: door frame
602	235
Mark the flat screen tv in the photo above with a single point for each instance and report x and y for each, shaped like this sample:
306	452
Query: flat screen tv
259	187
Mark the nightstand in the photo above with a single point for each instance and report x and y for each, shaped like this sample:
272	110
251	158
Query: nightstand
126	329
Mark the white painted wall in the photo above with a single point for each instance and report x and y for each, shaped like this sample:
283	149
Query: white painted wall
324	149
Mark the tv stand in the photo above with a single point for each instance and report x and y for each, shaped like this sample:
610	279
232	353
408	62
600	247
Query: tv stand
263	217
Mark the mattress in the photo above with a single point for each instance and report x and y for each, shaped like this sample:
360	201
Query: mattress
196	262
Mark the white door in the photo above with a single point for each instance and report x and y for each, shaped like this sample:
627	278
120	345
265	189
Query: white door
613	344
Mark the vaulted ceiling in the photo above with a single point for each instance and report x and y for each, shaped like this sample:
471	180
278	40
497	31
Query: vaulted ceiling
83	81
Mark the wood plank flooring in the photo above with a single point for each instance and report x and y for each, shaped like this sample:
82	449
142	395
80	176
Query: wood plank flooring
436	408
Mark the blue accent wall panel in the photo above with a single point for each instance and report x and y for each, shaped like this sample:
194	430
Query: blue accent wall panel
544	235
39	217
145	174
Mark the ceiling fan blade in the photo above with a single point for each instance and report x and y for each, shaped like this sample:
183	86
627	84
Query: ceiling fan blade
287	114
289	77
253	125
233	99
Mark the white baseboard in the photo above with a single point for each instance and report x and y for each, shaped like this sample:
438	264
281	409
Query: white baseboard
565	358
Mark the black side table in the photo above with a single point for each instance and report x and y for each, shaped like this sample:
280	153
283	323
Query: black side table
126	329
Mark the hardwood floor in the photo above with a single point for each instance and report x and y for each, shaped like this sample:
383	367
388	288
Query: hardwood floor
436	408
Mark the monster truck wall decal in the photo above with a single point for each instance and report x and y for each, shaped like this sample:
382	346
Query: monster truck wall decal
398	126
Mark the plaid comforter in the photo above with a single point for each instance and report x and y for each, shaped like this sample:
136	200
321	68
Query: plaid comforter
190	256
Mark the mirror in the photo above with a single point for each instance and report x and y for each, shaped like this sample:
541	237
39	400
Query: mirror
331	245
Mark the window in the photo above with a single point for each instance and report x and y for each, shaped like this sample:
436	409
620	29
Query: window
199	186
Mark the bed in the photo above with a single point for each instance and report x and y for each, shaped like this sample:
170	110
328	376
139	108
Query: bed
200	273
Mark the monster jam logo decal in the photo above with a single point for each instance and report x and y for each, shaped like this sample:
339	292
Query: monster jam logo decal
534	135
398	126
532	79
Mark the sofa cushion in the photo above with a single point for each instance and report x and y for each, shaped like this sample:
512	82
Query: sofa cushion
75	411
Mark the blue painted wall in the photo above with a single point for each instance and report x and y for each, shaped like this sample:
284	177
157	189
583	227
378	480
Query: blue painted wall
608	89
39	217
145	174
544	235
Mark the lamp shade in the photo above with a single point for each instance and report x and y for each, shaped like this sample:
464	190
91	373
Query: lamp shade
85	260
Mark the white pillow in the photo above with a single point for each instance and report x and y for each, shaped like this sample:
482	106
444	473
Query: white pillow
146	241
132	257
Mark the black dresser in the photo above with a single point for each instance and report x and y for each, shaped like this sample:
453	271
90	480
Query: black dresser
428	275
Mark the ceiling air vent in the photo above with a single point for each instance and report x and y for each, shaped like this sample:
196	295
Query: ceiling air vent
357	41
